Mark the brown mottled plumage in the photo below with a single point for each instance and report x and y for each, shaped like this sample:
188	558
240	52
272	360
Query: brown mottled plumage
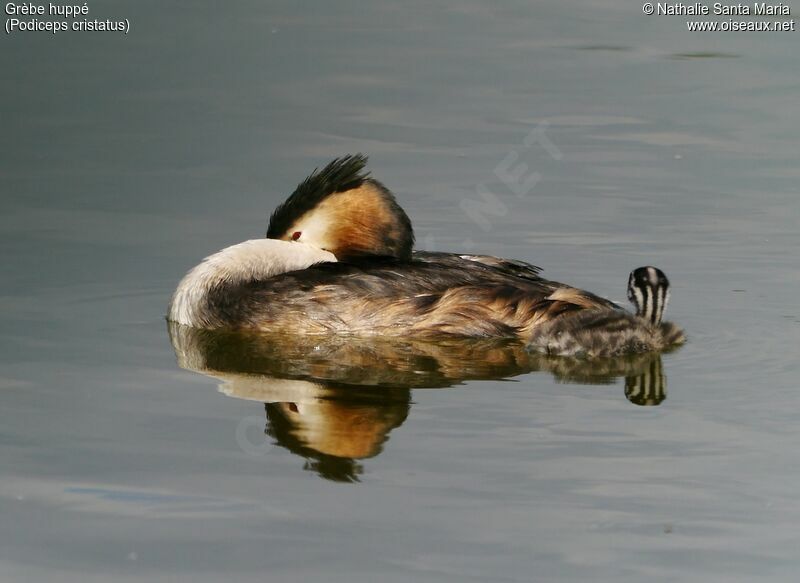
375	286
603	333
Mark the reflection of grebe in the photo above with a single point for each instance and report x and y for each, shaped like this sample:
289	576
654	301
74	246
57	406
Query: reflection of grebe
333	433
335	400
338	259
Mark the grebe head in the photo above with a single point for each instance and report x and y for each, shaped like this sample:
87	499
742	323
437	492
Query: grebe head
648	291
344	211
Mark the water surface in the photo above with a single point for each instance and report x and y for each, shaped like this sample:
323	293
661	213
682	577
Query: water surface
125	159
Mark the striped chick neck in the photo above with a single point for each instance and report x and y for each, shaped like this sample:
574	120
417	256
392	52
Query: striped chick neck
648	291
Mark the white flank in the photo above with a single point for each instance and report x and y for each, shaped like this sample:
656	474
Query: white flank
249	261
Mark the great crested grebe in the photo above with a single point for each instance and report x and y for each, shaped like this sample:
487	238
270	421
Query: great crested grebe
338	259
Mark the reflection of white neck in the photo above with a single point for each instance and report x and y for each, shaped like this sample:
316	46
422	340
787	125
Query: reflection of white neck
267	389
249	261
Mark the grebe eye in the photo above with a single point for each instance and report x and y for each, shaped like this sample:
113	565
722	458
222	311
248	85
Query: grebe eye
296	235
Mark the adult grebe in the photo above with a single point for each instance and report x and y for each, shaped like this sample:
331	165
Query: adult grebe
338	259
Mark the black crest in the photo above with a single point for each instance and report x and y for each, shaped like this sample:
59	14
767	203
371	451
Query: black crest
340	175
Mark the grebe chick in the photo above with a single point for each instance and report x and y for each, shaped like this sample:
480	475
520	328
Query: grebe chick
339	260
605	332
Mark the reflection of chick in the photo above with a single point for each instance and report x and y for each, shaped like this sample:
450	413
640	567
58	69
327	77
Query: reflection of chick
334	433
648	389
645	381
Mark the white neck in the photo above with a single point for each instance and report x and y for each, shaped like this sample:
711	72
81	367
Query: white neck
249	261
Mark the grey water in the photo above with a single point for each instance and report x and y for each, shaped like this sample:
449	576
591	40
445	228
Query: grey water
583	137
